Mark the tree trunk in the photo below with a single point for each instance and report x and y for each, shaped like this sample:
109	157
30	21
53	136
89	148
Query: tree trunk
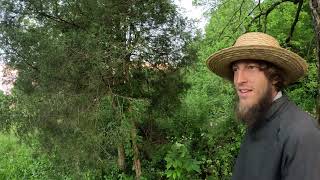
315	11
136	158
121	157
121	153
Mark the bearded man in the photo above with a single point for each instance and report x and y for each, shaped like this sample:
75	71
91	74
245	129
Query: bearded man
282	142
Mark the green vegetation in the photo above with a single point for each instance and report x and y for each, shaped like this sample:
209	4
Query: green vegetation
20	161
119	89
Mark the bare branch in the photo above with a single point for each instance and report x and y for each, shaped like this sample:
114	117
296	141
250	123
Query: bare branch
294	22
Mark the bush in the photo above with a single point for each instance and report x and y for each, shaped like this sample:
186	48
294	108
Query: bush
180	164
18	161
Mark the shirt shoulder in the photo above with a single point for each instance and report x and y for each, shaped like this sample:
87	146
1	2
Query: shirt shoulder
296	123
299	136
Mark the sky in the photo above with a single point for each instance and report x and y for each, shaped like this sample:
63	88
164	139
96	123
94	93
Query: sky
192	12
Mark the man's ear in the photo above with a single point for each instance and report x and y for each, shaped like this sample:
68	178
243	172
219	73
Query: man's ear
274	81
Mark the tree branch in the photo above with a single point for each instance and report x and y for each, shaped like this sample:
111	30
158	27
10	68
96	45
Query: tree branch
259	4
59	20
315	11
246	17
36	68
15	52
266	13
234	14
294	22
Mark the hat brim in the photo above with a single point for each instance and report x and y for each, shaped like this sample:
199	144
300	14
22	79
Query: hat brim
292	65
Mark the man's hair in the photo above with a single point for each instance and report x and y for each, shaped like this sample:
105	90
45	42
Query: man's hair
273	73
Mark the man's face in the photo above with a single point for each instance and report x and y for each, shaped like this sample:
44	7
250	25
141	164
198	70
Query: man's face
254	90
250	82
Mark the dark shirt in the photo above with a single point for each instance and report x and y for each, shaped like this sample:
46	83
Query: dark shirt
285	147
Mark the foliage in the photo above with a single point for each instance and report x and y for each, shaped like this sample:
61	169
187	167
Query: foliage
210	97
105	81
180	164
88	66
19	161
6	112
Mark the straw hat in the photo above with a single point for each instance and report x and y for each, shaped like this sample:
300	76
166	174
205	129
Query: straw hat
258	46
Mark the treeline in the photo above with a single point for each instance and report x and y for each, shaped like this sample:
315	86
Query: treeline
120	90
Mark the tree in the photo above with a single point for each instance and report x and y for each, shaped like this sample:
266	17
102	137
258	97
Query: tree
314	6
74	57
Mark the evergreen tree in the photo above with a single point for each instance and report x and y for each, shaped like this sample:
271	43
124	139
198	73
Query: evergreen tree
85	66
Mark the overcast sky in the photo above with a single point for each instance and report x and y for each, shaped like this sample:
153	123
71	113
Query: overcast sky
193	12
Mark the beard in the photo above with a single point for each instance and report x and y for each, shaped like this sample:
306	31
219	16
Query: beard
253	115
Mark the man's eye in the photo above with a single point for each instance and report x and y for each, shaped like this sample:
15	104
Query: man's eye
252	66
234	69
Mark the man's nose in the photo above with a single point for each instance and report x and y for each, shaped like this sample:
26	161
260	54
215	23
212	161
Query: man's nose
240	77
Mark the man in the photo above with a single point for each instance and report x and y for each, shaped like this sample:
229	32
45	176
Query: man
282	142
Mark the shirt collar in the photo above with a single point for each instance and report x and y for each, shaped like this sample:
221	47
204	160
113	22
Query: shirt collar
279	95
275	109
276	106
